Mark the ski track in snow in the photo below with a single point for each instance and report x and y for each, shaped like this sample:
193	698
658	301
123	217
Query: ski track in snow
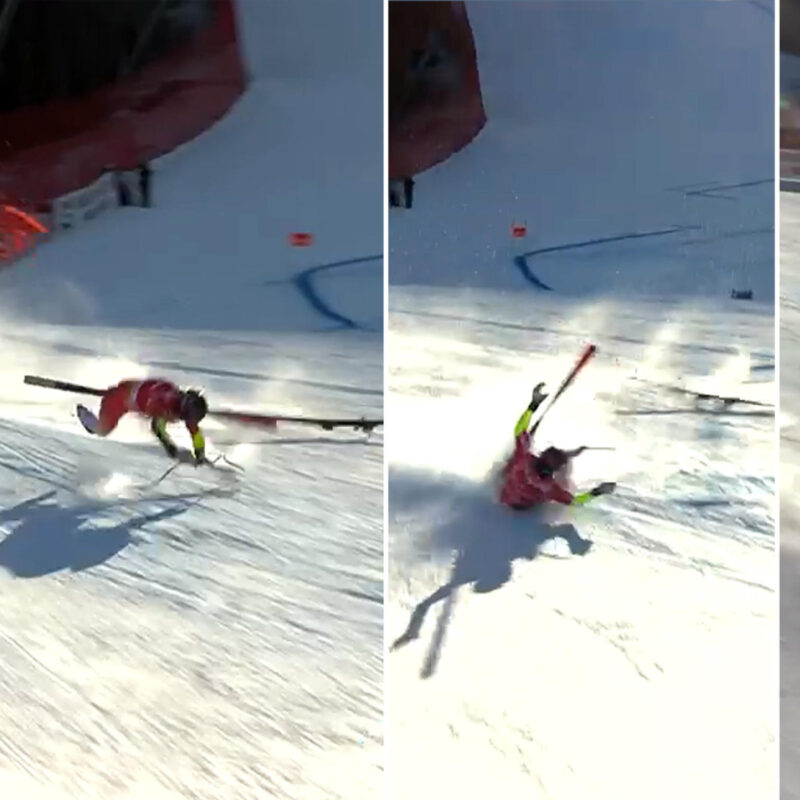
212	635
625	648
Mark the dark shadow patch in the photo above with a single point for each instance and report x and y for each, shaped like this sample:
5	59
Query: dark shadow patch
652	412
485	540
49	537
302	440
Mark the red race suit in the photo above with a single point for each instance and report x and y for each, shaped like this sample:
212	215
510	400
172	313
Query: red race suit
153	398
522	486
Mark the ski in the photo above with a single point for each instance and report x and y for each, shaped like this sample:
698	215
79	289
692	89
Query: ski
708	397
582	361
63	386
86	418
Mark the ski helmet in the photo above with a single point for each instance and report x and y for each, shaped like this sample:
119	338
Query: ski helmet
550	461
193	405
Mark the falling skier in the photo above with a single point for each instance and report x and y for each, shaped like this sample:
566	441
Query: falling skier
159	400
529	479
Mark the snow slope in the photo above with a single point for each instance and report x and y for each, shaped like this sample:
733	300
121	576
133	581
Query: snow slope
790	512
211	635
626	648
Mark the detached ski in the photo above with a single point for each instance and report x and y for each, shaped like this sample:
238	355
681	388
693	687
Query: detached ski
272	420
721	401
579	365
63	386
585	356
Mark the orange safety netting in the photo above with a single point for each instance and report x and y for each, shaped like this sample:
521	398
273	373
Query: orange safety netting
18	232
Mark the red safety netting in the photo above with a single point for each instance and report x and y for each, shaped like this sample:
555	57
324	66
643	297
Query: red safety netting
435	104
52	149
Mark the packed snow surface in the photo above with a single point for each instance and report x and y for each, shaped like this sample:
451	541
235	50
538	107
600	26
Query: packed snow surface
624	649
212	635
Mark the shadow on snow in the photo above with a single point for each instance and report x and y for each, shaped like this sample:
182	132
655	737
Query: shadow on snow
49	537
483	538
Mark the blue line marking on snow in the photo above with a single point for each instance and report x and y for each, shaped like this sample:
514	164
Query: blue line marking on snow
710	190
521	261
522	265
304	283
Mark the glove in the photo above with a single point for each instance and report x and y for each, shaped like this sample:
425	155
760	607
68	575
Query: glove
538	397
604	488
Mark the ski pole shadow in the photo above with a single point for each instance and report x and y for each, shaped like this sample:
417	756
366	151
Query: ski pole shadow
301	440
484	539
49	537
662	412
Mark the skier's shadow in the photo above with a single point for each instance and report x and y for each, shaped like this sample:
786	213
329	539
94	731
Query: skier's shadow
48	537
485	540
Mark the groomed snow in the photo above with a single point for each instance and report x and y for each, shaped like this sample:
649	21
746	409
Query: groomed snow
210	636
645	667
790	509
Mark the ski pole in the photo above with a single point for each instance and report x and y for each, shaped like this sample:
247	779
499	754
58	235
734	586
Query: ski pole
222	457
167	472
232	463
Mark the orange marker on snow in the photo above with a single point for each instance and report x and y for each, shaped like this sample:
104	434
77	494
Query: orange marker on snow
301	239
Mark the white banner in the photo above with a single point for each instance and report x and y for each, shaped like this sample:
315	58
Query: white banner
75	208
